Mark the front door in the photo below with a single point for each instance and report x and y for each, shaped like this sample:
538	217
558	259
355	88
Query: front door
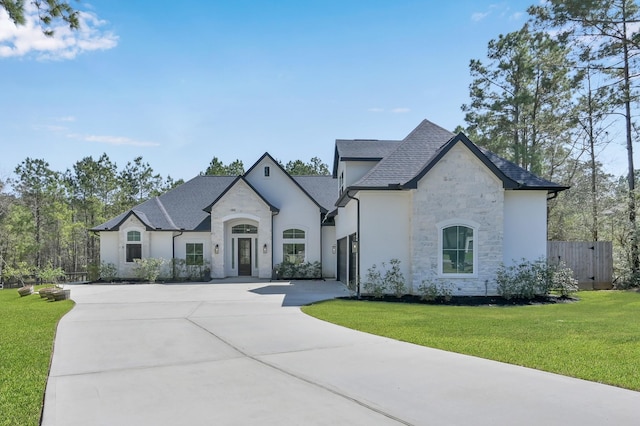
244	256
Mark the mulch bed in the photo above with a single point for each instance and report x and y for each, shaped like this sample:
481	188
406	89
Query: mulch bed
468	300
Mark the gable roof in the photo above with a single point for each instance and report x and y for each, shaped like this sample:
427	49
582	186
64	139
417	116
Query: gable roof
187	206
277	163
416	154
234	183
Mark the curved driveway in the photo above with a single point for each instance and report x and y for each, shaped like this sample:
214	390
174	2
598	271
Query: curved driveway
244	354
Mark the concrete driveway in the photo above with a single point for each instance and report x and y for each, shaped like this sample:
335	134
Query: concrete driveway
244	354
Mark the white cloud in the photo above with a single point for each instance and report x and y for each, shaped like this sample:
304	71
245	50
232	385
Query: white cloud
479	16
67	119
400	110
113	140
28	39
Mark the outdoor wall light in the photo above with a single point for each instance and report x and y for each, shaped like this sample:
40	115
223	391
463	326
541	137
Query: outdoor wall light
333	249
354	246
216	249
264	249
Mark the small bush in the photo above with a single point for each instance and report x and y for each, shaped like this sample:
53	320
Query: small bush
527	280
394	278
290	271
373	282
431	291
148	269
50	275
108	271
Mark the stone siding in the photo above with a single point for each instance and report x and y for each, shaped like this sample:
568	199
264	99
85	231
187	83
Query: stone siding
459	188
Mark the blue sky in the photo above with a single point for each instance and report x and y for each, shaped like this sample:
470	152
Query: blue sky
181	82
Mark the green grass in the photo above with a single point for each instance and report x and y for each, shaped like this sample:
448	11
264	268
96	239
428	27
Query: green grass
27	329
597	338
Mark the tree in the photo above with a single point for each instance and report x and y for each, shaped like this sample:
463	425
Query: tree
608	28
521	100
49	11
314	167
38	187
217	168
137	183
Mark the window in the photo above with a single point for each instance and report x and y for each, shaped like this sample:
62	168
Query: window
293	252
133	251
195	254
293	233
457	250
267	171
244	229
293	249
341	183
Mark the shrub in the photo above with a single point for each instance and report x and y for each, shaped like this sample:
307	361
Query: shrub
431	291
373	282
562	280
287	270
18	272
527	280
148	269
394	278
108	271
50	275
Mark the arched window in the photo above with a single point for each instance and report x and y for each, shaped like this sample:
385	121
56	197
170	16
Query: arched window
244	229
293	248
133	247
458	254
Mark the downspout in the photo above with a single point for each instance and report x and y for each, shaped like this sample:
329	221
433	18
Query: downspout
358	241
321	250
173	254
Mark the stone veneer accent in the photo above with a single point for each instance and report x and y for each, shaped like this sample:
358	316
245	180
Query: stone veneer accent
460	187
240	202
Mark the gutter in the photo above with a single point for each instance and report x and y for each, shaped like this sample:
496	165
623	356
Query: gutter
173	253
358	241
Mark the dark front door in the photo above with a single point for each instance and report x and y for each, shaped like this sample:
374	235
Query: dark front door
244	256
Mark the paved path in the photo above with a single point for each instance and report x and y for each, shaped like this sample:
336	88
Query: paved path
244	354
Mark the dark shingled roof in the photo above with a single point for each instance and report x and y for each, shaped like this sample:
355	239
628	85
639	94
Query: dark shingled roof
182	208
179	208
323	189
408	157
361	150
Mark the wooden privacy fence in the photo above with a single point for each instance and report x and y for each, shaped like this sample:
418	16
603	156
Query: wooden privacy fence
591	262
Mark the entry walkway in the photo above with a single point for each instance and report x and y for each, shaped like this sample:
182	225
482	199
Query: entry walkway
244	354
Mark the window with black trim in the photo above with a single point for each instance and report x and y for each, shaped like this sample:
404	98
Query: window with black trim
244	229
195	254
457	250
267	171
133	248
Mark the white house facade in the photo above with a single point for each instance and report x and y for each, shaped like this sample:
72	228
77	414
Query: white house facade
447	209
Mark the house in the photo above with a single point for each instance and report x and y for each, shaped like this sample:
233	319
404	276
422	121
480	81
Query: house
449	210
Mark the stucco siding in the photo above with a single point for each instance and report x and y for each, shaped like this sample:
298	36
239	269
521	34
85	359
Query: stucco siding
525	225
297	209
459	189
329	249
347	220
109	247
385	231
240	205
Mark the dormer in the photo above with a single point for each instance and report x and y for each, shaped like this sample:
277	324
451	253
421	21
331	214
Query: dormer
353	158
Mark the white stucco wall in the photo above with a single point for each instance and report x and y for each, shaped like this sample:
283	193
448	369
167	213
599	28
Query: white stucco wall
297	210
347	219
355	170
109	247
240	205
459	189
329	250
525	225
385	231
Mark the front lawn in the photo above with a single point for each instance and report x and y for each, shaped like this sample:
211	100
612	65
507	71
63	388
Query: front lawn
27	329
597	338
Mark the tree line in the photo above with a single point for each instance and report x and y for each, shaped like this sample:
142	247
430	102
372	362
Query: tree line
45	215
551	97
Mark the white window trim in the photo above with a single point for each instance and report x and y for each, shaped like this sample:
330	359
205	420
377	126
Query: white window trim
127	242
458	222
296	240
